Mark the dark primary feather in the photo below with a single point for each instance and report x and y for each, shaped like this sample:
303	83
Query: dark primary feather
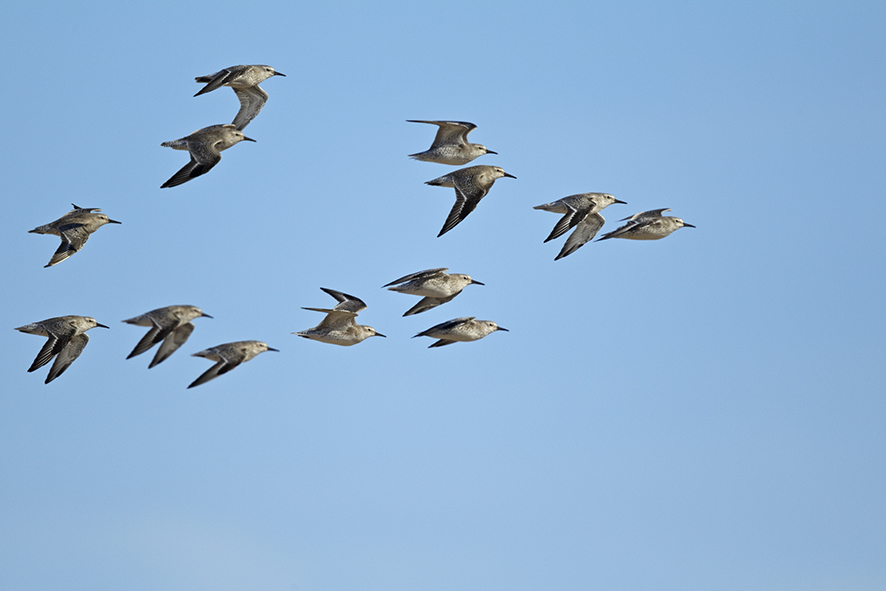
67	355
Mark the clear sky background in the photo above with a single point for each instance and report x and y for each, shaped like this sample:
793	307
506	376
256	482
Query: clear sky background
702	412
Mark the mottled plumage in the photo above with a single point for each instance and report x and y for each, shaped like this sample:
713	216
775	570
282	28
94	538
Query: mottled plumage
67	338
171	325
451	145
467	328
434	285
471	184
245	82
74	229
339	326
205	147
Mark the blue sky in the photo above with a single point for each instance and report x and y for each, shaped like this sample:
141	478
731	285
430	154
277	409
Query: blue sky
701	412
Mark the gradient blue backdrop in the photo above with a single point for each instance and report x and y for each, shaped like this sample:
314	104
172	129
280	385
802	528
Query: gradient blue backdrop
703	412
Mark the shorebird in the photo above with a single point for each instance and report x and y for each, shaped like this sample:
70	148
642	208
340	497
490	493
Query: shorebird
74	229
471	184
67	338
205	147
245	82
228	356
339	326
171	325
463	329
648	225
435	285
451	145
581	212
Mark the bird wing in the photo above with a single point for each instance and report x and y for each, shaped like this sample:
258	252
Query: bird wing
252	99
214	80
67	355
567	222
427	303
449	132
441	343
228	357
419	275
334	319
182	176
445	325
452	132
206	153
74	236
467	196
346	302
630	225
172	342
203	158
652	213
585	232
151	338
78	209
209	374
50	349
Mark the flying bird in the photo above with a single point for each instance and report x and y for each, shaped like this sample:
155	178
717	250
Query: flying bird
245	82
67	338
436	287
171	326
205	147
581	212
648	225
74	229
339	326
464	329
471	184
227	357
451	145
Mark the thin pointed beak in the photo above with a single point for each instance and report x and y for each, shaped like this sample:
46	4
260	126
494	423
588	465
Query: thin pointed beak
272	349
620	201
248	139
510	175
205	316
502	328
488	151
685	225
102	325
279	74
378	334
475	282
110	221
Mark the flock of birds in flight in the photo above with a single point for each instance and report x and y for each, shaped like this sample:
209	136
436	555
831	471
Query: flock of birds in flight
171	326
